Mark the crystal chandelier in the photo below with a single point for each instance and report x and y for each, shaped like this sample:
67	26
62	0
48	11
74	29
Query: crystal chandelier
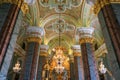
17	67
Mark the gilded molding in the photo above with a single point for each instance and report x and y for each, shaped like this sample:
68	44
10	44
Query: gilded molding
101	3
24	6
34	39
76	54
86	40
44	54
86	34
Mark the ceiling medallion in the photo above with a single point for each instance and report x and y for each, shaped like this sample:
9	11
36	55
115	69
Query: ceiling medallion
60	26
60	5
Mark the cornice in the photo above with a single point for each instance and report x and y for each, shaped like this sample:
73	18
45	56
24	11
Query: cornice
101	3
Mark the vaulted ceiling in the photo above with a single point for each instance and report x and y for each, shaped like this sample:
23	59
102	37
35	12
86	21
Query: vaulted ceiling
71	14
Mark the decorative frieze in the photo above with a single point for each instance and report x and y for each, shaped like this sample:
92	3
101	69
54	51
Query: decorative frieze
85	34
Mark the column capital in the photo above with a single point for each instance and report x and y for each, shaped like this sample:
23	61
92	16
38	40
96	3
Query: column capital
76	50
101	3
85	34
71	57
34	34
44	50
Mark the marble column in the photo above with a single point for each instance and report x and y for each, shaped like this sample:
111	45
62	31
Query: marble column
42	60
72	74
34	38
78	67
6	31
111	31
89	64
9	50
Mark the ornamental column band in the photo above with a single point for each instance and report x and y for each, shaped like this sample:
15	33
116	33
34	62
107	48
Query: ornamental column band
42	61
89	65
108	14
78	66
34	39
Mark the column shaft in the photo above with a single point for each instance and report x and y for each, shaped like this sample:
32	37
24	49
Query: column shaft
111	33
78	68
90	71
113	28
72	75
32	55
42	61
7	30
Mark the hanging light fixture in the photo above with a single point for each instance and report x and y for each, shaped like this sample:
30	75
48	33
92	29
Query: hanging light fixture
17	67
59	52
102	68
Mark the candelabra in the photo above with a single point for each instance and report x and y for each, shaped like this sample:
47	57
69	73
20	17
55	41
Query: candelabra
17	67
103	70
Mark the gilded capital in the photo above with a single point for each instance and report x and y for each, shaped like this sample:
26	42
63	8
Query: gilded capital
101	3
76	50
85	34
71	58
34	34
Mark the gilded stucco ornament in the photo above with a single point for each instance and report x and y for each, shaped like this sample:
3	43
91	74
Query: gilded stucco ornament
76	50
85	34
34	34
44	50
101	3
60	26
60	5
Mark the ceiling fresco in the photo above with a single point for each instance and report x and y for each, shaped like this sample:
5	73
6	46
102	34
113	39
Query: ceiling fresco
75	13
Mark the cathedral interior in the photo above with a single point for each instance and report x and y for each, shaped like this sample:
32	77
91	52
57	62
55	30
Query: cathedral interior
59	39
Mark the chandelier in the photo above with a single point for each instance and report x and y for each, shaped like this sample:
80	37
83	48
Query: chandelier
59	57
17	67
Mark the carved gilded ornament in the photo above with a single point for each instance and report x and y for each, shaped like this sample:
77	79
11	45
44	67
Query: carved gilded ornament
34	34
86	35
101	3
23	5
76	54
44	54
72	58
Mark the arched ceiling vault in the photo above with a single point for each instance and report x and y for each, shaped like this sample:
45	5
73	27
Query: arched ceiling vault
80	16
